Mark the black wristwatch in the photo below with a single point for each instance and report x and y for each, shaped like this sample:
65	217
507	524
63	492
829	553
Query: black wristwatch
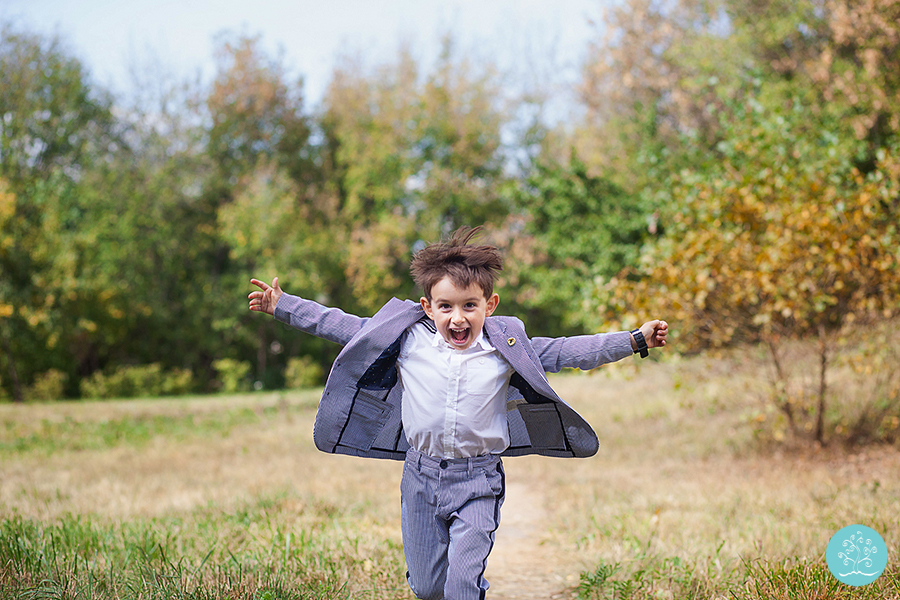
641	343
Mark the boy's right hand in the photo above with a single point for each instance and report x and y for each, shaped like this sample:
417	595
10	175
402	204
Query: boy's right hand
265	300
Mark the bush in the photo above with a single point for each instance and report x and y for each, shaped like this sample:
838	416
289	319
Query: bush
302	372
47	386
844	384
233	375
139	380
176	382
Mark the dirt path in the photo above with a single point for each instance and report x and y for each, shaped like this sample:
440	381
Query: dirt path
522	566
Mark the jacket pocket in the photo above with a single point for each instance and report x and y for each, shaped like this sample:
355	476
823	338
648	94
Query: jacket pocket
368	414
544	426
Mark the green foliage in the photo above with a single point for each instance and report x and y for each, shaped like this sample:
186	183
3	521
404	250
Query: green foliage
649	577
51	116
739	178
256	112
412	156
232	375
55	127
48	386
303	373
138	381
577	229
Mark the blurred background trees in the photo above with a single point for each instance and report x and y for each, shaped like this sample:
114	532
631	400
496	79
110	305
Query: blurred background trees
732	166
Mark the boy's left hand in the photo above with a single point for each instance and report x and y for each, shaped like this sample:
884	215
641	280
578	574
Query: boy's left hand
655	333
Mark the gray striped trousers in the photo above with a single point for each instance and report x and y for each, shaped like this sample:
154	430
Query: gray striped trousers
450	510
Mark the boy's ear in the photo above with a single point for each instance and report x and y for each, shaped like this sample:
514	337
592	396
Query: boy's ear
427	306
492	303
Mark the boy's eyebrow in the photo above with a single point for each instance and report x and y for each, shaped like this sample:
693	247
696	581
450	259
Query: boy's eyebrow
475	298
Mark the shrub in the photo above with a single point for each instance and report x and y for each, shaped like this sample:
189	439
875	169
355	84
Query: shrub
137	380
845	385
176	382
47	386
233	375
302	372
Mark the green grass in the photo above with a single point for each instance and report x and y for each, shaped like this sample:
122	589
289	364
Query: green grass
226	497
277	547
177	419
654	577
250	540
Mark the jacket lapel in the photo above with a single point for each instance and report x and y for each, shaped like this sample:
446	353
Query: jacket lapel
513	345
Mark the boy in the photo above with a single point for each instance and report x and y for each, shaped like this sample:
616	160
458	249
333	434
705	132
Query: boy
471	387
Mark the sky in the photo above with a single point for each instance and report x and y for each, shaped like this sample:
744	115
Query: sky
539	40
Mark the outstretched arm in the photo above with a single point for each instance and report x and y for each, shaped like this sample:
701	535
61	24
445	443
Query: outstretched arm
306	315
591	351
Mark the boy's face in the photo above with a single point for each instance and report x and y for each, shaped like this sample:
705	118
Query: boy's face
459	313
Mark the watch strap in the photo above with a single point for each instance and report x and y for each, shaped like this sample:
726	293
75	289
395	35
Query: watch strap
641	343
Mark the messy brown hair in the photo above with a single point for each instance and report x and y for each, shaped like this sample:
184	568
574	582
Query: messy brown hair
456	259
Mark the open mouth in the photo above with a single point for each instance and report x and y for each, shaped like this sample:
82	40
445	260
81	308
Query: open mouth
459	336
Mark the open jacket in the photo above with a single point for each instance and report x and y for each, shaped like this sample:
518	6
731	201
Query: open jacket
359	413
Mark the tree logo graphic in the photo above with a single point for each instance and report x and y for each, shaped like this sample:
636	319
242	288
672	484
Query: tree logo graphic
856	555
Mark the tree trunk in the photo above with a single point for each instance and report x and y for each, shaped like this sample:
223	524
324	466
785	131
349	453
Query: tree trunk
779	387
823	369
18	396
261	354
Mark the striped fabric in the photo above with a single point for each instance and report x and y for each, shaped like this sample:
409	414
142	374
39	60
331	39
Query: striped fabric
450	509
360	409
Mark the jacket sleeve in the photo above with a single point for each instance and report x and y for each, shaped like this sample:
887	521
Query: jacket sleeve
311	317
582	352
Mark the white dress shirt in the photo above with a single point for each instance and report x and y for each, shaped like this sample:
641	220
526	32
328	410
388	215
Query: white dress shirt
454	401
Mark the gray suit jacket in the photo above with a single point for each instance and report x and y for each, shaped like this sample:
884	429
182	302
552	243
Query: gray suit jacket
359	413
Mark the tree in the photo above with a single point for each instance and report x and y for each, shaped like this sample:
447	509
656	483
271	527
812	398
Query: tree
781	223
571	229
51	116
652	87
53	128
781	241
256	112
409	157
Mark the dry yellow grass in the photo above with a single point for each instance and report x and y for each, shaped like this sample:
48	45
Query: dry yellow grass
167	474
677	477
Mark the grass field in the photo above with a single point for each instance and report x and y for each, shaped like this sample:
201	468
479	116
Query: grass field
226	497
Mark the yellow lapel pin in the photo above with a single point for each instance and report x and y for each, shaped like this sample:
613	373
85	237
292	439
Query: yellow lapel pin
511	341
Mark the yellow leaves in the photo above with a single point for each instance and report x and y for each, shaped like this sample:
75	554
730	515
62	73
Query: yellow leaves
7	203
6	311
7	211
87	325
814	253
